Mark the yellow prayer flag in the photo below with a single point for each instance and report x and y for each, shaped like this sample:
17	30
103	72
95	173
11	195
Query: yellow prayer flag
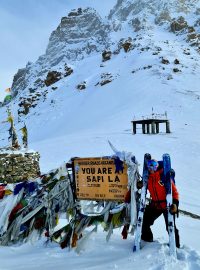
8	192
10	119
24	131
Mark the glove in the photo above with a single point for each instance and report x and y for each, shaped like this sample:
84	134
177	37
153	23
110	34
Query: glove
176	203
128	197
173	209
139	184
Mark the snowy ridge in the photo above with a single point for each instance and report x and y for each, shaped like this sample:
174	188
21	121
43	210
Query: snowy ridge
125	8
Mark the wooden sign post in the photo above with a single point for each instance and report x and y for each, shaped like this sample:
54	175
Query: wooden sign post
96	179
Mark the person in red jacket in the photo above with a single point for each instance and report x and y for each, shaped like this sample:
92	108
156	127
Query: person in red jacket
158	204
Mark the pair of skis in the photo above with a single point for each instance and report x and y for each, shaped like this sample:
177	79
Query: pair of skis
169	199
138	230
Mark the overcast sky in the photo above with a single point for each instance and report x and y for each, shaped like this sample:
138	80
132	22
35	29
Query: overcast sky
25	27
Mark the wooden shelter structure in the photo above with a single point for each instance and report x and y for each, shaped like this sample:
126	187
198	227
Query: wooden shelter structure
151	125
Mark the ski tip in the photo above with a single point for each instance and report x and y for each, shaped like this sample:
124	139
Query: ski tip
148	156
165	155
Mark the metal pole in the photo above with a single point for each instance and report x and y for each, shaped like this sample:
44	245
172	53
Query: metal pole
157	127
143	128
148	129
134	128
168	127
153	128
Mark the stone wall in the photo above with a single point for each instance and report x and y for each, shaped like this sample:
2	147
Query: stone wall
18	166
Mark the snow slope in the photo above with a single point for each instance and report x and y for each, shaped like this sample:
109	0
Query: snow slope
98	254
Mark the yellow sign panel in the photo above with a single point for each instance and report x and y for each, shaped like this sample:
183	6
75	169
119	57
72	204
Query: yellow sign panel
97	179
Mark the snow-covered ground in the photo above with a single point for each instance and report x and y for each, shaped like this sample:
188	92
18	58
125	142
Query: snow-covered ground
115	254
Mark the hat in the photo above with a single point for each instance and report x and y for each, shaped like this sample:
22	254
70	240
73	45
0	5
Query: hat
152	165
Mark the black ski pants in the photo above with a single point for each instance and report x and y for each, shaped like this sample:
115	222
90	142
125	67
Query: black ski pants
150	215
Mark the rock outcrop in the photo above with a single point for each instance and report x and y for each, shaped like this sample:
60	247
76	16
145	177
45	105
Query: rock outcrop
52	77
79	34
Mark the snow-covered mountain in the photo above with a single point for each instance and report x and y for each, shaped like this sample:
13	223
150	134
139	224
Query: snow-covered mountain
98	74
83	32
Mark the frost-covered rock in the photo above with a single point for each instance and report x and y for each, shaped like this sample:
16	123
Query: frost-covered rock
179	24
79	34
141	14
20	80
52	77
163	16
106	55
125	9
81	86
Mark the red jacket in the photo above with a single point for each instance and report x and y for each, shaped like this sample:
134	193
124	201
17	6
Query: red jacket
157	190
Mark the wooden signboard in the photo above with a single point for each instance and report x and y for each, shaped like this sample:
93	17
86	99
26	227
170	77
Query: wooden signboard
96	179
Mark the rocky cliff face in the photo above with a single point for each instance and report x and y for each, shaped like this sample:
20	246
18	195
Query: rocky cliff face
79	34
